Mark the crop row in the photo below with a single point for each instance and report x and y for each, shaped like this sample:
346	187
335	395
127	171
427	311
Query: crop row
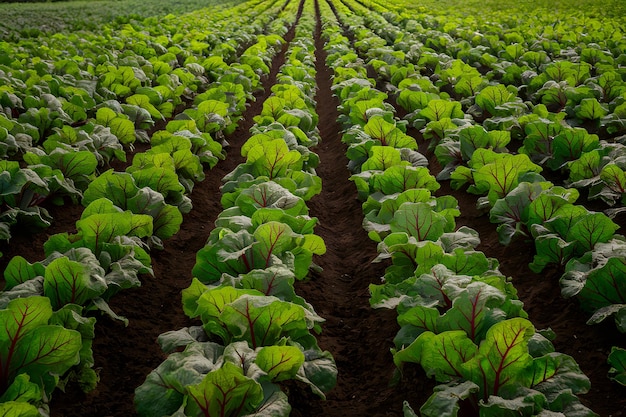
496	136
19	20
460	317
568	93
254	331
72	104
48	306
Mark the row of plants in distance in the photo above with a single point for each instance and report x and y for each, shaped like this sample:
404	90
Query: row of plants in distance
254	331
49	304
72	103
34	19
495	133
460	318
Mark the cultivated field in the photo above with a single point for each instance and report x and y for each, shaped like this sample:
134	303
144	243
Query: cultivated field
313	208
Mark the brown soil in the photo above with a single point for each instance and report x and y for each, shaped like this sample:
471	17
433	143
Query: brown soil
358	337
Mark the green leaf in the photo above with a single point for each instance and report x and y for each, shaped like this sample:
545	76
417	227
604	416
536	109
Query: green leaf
388	134
437	130
555	373
550	248
98	229
475	309
596	285
460	176
382	157
210	115
412	101
617	311
439	109
590	109
19	270
273	159
401	178
475	137
273	239
467	86
280	362
492	97
161	179
18	409
545	206
30	345
418	220
501	175
269	194
564	218
502	359
569	145
71	282
166	219
441	355
319	370
70	317
617	360
445	400
513	209
590	230
420	318
22	391
586	167
223	392
276	280
263	320
116	186
467	262
76	108
614	179
165	388
231	254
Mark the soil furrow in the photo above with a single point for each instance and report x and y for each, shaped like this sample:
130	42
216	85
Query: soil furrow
358	336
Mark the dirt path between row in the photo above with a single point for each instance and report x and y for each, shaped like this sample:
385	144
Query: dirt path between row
358	337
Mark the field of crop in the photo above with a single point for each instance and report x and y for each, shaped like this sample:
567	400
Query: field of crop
313	208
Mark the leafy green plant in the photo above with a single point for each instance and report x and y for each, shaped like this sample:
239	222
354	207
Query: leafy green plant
526	205
396	178
143	192
596	279
388	134
113	237
118	123
34	347
247	315
265	195
494	174
499	100
24	190
458	147
379	209
512	370
613	186
79	167
273	160
256	247
92	137
416	262
569	233
240	379
617	360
